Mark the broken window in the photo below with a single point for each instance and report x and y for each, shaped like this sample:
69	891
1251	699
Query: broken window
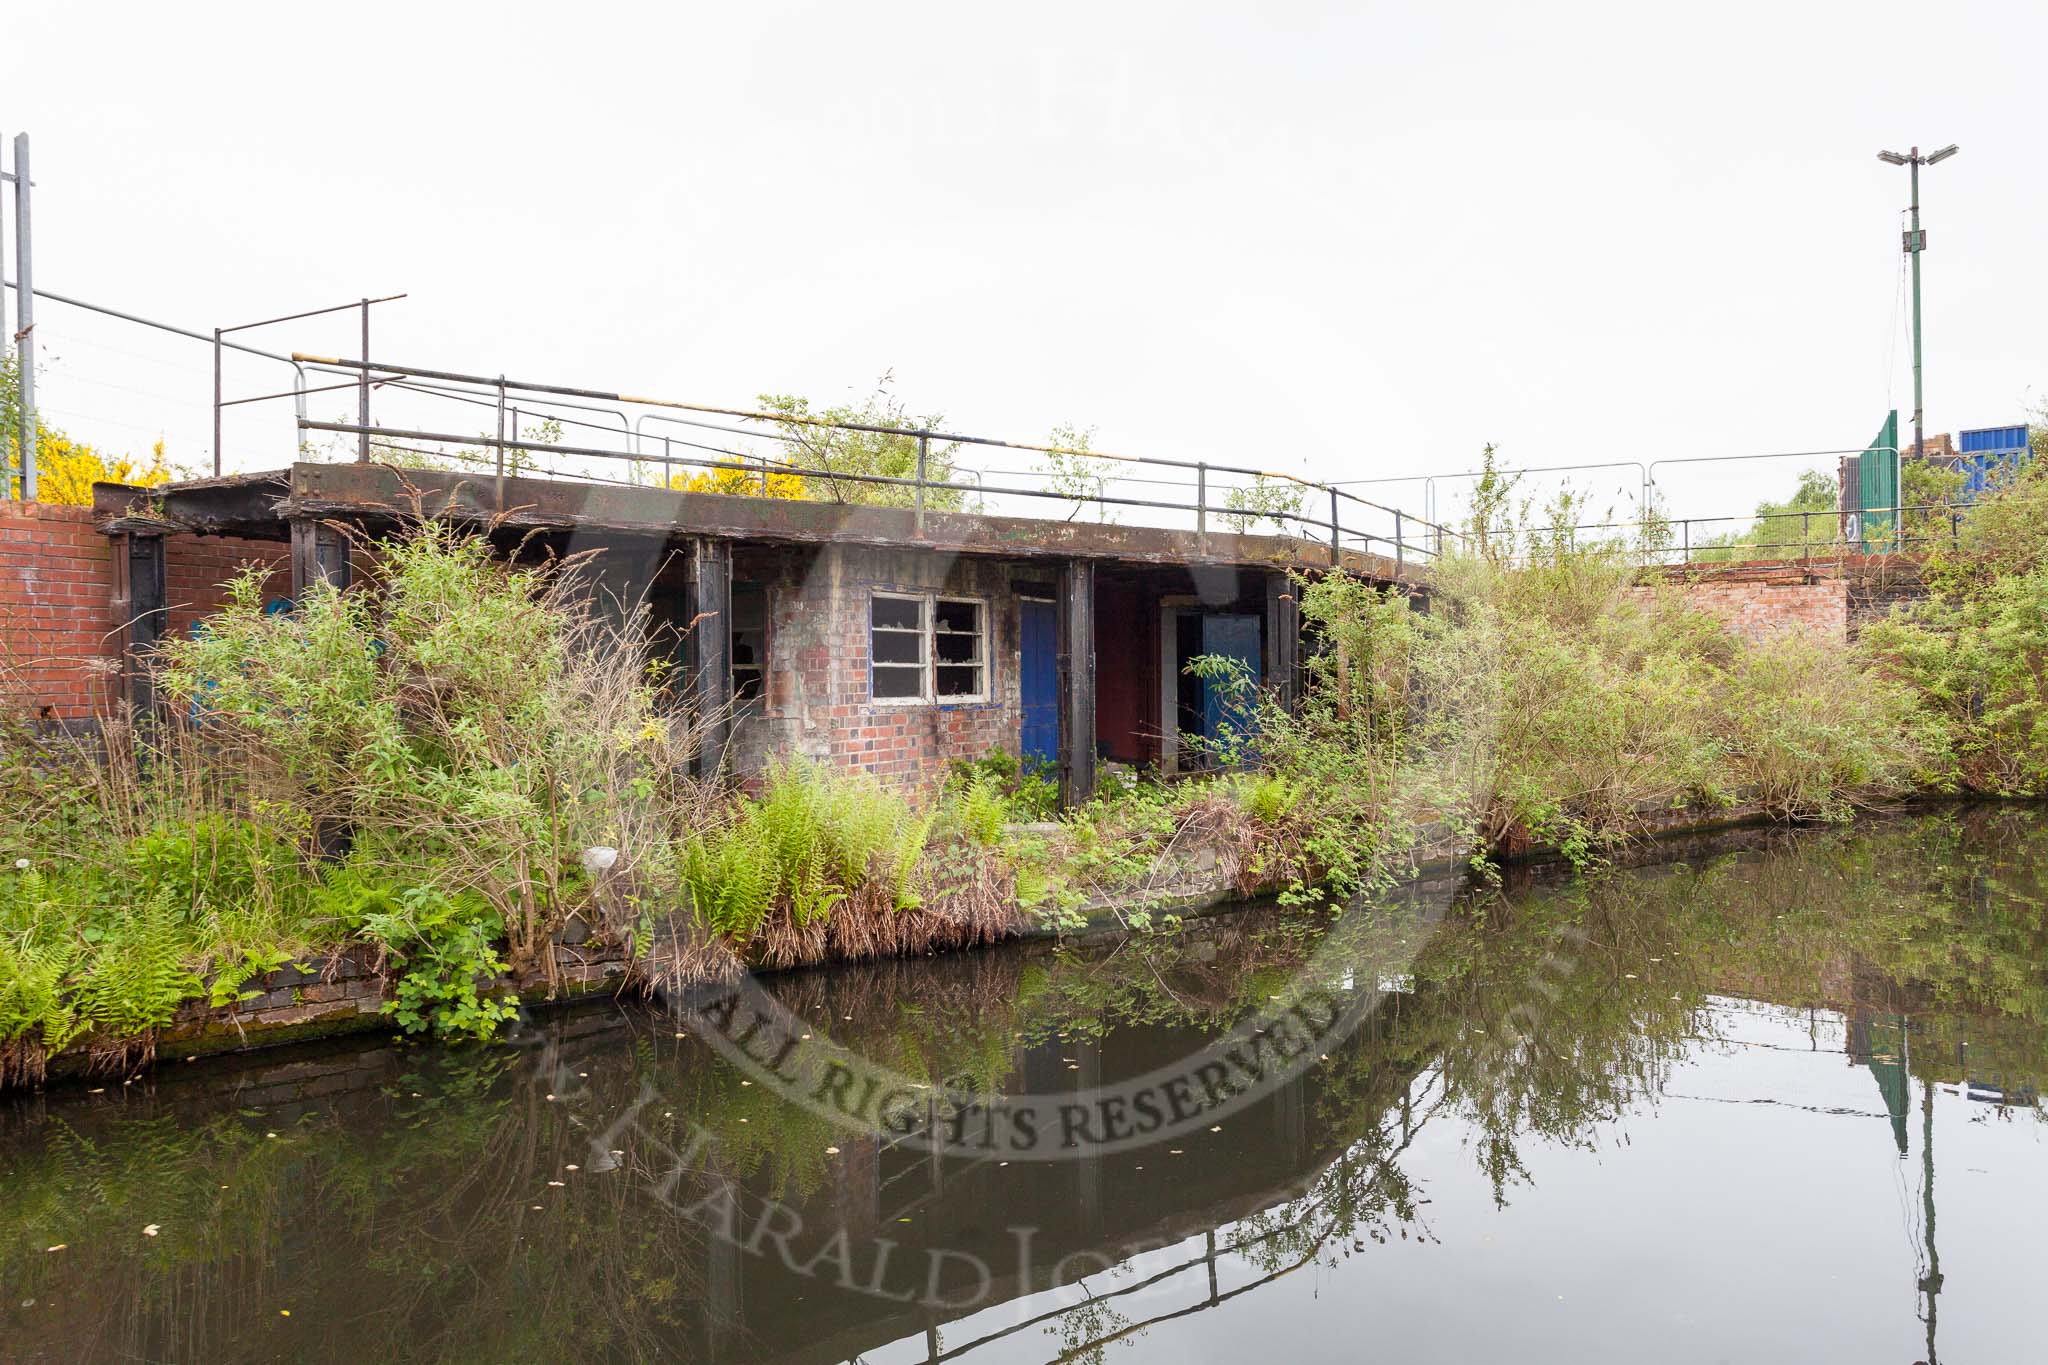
924	647
958	649
749	640
896	646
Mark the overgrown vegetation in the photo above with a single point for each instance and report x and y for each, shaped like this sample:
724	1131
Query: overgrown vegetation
450	763
446	764
848	462
1975	653
1546	696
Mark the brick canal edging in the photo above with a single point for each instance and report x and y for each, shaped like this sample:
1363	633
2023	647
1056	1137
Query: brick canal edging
342	992
329	995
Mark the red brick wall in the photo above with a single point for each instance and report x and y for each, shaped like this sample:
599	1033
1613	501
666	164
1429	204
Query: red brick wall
196	568
1759	599
55	581
59	641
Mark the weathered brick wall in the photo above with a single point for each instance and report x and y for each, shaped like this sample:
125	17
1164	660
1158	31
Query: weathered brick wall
55	582
1755	605
1834	597
820	700
59	640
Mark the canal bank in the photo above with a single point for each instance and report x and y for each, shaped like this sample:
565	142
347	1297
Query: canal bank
347	991
462	762
1804	1041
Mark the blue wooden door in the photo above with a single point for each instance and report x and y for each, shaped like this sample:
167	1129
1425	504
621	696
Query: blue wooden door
1232	637
1038	675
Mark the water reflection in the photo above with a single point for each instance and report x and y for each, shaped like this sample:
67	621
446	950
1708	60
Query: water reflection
1613	1088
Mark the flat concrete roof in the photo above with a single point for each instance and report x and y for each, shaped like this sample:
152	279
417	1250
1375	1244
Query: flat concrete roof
264	504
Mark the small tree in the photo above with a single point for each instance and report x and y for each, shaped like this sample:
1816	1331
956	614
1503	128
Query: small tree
840	448
1070	469
1266	498
1807	519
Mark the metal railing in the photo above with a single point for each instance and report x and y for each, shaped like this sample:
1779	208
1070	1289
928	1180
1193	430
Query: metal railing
1397	534
622	434
1821	534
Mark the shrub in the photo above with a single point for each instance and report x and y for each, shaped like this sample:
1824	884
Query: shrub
1029	787
446	947
1811	735
472	727
1974	655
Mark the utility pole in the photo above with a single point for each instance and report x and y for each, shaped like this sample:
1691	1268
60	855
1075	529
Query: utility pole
25	325
1915	243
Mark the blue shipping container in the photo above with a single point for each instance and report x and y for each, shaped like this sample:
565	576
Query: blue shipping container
1989	455
1994	439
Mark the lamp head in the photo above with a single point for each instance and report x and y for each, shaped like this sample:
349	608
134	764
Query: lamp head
1893	157
1944	154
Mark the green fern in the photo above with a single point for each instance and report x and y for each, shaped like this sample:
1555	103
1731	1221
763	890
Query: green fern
137	977
729	879
911	837
32	999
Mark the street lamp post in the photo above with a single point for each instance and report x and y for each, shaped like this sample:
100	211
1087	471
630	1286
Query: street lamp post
1915	243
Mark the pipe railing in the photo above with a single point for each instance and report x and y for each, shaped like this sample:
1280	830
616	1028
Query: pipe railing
1689	539
485	389
1658	539
669	462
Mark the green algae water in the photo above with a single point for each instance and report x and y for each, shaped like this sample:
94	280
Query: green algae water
1773	1099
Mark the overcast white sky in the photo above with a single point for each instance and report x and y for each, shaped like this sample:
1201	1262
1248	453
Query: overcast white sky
1346	240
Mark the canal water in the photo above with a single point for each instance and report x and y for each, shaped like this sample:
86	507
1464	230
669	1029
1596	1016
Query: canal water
1773	1099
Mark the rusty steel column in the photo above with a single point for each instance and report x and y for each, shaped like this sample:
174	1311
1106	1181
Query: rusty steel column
1283	638
319	555
707	650
1077	681
139	612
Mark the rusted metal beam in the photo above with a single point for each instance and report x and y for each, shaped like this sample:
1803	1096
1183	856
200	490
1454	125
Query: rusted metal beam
245	504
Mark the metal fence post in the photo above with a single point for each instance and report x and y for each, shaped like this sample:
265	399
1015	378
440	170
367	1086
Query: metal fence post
1399	559
363	393
25	321
216	402
501	443
923	455
1336	533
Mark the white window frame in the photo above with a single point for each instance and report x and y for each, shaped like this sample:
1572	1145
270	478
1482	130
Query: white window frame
927	632
981	662
923	633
